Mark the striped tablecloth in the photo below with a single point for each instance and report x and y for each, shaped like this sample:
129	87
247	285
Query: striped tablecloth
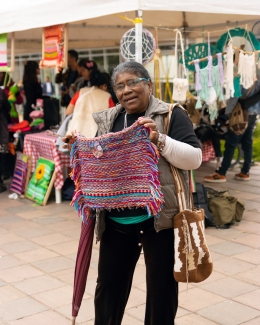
43	145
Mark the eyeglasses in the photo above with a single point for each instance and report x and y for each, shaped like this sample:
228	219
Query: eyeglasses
131	83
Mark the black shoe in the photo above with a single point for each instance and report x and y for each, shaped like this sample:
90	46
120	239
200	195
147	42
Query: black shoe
2	188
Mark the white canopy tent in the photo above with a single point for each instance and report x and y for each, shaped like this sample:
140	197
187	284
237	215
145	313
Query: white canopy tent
95	24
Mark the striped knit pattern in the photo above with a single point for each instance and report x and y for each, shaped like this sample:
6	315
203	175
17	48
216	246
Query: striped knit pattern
116	171
19	177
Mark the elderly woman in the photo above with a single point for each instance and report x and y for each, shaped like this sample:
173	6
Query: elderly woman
124	233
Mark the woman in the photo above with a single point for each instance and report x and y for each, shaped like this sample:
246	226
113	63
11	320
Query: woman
126	232
100	83
4	135
32	87
86	68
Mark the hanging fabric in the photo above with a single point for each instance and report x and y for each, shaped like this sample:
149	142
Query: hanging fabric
3	51
209	83
54	47
229	73
247	69
179	84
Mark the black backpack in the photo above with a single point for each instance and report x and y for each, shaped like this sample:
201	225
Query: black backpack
200	199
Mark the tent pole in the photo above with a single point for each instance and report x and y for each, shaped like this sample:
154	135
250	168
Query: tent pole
138	36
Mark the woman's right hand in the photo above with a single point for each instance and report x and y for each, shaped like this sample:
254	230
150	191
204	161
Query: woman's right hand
68	140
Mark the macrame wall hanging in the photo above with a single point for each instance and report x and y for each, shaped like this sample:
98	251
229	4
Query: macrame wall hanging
54	46
199	51
4	52
244	46
127	46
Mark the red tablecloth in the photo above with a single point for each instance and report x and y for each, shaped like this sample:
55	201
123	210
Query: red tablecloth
43	145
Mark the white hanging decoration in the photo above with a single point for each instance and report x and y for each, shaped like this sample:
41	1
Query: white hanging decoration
127	46
180	85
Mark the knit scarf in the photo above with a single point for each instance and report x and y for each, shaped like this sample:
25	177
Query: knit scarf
116	171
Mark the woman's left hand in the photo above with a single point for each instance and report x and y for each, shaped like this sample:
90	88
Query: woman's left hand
150	124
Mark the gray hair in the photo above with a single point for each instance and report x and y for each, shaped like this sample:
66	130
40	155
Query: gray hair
130	67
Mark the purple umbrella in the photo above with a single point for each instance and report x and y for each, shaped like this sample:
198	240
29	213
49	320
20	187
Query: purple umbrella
82	264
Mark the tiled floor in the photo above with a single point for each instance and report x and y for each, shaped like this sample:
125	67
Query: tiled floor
38	246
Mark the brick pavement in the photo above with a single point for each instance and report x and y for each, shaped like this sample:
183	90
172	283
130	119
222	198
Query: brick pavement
37	255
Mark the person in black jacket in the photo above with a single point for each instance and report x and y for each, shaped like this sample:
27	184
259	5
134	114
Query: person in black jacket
68	77
4	135
32	87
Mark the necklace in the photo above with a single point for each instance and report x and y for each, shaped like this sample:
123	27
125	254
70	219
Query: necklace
125	121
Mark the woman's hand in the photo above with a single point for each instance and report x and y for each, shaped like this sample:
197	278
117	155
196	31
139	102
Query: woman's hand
150	124
68	140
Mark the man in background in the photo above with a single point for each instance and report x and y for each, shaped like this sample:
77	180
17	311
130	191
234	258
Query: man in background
47	88
68	77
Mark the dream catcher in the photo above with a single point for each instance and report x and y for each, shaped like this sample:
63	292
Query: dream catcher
199	51
54	47
241	39
127	46
256	30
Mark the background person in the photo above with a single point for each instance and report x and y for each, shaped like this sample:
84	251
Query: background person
4	136
246	139
32	87
68	77
47	88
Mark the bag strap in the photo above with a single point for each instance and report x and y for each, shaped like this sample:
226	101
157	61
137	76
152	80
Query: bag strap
179	187
182	52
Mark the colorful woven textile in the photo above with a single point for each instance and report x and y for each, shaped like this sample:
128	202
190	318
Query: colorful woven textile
22	165
116	171
53	47
3	51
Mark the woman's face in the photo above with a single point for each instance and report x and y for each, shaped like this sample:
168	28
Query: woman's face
133	99
85	73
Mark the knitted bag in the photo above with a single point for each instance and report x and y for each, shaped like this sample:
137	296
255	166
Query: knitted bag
116	171
192	260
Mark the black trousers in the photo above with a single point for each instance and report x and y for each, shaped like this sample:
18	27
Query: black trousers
119	252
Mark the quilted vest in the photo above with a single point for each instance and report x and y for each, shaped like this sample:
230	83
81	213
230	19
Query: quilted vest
157	110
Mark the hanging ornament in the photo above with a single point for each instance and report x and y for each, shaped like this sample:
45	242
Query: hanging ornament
127	46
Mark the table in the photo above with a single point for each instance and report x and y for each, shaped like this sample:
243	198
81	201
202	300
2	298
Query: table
208	152
43	145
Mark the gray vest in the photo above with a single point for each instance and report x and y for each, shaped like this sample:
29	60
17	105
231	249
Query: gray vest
157	110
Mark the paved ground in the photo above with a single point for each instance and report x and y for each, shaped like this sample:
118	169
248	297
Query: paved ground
37	255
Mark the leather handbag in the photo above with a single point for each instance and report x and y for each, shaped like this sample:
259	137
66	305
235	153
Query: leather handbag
192	260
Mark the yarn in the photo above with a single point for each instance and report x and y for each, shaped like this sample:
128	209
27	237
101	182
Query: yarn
116	171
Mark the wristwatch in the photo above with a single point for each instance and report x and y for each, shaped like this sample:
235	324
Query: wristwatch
161	141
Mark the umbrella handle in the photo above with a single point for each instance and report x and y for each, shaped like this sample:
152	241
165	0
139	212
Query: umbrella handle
73	320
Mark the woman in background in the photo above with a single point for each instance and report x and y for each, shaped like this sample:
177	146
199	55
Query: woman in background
89	101
32	87
86	68
98	80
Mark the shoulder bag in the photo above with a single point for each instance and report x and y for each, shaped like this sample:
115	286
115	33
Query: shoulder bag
179	84
192	260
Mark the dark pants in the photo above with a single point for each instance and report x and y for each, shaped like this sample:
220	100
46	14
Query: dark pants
232	141
119	253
